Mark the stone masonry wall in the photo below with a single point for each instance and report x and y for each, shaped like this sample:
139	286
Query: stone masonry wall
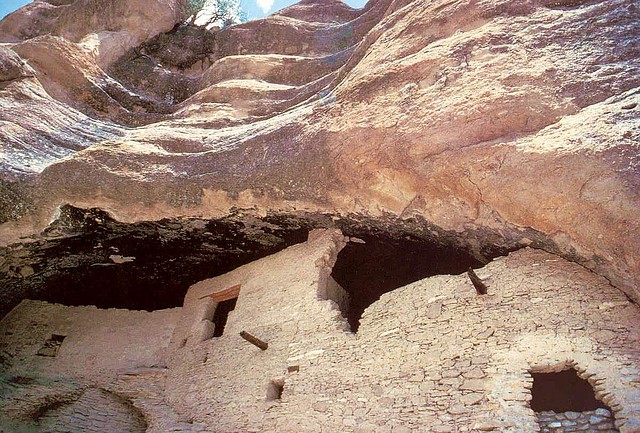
432	356
97	341
95	411
108	372
429	357
599	420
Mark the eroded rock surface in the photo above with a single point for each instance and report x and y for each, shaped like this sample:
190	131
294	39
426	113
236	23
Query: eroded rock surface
509	117
107	29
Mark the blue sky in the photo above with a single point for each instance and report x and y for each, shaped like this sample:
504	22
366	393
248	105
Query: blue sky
8	6
254	8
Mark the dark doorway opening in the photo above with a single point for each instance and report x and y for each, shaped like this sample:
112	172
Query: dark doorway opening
221	315
562	392
372	265
565	399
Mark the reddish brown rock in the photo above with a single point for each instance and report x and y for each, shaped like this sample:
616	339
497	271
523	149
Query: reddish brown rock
106	28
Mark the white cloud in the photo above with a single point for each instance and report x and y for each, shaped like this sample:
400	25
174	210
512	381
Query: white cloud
265	5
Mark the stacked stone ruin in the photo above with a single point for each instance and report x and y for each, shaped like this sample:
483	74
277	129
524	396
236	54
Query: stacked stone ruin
432	356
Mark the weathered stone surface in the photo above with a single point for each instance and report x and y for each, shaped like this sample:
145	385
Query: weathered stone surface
95	411
588	421
469	114
107	29
11	65
493	124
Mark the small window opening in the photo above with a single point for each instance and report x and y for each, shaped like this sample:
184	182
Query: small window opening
275	389
221	315
52	345
565	399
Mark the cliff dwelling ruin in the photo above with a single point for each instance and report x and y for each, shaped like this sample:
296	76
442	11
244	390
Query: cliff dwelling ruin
432	355
417	216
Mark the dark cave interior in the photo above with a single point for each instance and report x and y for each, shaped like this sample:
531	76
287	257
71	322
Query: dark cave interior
90	259
85	257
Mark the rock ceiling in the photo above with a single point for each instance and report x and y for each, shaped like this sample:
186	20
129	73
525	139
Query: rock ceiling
516	119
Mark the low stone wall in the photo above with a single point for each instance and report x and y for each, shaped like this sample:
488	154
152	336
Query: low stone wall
599	420
96	342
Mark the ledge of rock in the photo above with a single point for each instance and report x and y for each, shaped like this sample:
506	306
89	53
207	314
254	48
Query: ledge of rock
495	116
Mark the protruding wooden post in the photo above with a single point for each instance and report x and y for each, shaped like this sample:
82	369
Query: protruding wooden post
254	340
481	288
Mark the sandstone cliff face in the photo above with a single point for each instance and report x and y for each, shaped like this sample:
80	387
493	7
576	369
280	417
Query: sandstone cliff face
517	119
106	28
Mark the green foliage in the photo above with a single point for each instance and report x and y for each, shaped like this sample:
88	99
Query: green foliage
206	13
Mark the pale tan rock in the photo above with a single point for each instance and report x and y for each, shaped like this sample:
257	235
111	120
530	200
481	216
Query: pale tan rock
473	398
491	115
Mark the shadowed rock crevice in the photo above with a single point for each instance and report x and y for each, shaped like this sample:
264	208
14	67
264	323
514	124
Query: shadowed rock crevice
155	68
567	4
85	257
